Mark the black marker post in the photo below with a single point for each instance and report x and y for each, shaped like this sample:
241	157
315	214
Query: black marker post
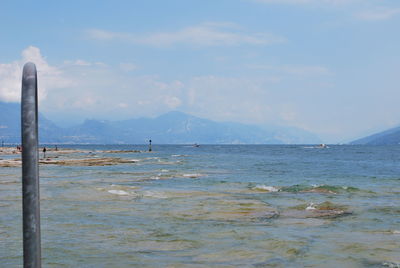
30	168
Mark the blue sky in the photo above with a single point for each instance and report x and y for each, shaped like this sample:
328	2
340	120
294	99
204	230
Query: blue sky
329	66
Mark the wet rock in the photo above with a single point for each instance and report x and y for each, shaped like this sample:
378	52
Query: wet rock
300	188
273	262
331	214
10	163
391	264
8	151
224	209
121	151
372	264
322	210
106	161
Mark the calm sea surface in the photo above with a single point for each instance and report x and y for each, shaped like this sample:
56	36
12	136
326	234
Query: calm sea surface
213	206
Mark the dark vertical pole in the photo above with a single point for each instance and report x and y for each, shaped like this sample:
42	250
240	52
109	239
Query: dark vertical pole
30	168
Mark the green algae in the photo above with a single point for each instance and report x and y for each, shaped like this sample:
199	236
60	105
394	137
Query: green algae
299	207
293	251
322	206
385	209
295	188
330	189
330	206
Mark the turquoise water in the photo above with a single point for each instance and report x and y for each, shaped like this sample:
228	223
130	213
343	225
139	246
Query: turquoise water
213	206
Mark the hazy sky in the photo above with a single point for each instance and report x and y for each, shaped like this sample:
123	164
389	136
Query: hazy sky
329	66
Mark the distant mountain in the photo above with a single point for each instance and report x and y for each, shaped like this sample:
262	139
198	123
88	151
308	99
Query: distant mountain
10	125
388	137
170	128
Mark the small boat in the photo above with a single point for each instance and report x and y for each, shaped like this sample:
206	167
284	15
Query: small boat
196	145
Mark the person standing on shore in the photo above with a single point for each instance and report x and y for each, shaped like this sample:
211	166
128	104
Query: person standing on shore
44	152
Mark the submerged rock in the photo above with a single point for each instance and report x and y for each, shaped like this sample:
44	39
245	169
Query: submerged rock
273	262
300	188
323	210
223	209
9	150
326	189
391	264
62	157
106	161
122	151
10	163
265	188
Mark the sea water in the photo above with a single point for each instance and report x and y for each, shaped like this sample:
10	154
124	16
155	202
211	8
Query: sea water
213	206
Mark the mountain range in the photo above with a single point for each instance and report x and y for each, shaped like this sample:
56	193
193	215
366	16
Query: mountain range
170	128
387	137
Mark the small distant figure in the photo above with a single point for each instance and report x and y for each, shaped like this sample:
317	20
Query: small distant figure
150	146
19	148
56	148
196	145
44	152
2	143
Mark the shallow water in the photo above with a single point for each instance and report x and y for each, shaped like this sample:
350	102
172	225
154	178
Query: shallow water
214	206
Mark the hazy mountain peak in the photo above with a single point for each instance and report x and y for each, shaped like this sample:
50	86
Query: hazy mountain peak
174	127
387	137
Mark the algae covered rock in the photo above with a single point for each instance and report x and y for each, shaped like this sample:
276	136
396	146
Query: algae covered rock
323	210
224	208
302	188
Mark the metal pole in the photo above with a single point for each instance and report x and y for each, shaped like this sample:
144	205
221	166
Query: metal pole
30	168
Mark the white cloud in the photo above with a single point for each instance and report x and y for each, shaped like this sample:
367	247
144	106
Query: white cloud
240	99
10	82
172	102
85	102
122	105
110	93
306	70
127	66
378	14
82	63
206	34
297	70
288	112
49	77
